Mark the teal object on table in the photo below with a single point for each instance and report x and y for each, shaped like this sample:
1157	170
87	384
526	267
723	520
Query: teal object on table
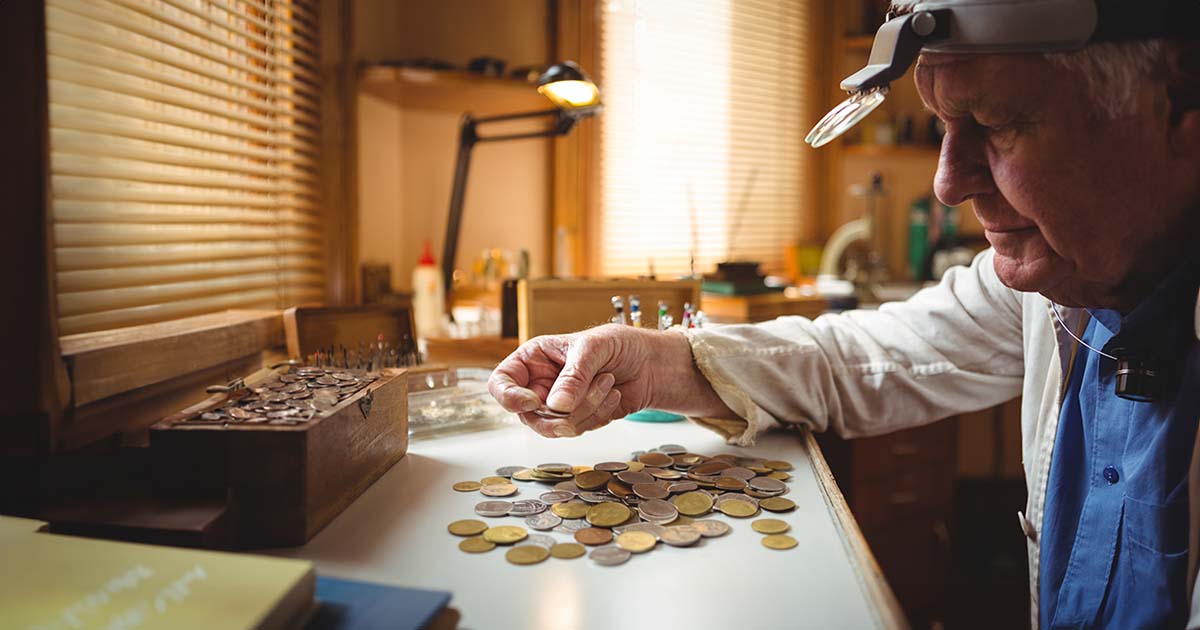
654	415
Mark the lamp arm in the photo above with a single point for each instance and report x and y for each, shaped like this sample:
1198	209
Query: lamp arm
467	137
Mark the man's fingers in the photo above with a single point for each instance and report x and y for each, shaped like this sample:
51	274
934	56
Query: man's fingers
603	415
584	358
596	392
511	394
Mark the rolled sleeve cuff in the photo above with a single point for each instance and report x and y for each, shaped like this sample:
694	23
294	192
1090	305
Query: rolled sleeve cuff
752	420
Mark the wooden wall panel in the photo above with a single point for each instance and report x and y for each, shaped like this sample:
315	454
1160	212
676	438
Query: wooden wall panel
33	377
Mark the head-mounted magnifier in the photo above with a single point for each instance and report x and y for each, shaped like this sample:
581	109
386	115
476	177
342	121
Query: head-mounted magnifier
995	26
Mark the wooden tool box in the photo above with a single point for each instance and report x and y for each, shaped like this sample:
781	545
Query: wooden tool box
285	482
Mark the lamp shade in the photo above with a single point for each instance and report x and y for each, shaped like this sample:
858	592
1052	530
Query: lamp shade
566	85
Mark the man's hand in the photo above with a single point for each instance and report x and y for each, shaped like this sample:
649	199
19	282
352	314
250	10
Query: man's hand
600	374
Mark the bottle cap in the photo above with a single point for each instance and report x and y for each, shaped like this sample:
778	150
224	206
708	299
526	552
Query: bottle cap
427	257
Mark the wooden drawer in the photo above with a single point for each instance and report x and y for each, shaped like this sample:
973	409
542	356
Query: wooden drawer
884	457
915	558
916	494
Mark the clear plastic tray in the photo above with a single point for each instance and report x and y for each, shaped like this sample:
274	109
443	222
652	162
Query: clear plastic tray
462	408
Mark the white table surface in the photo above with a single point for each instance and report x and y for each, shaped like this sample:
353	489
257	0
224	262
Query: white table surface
395	533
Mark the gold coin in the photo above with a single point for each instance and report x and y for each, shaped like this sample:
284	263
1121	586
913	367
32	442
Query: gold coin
566	551
542	475
499	490
780	475
778	541
523	475
570	509
467	486
468	527
770	526
594	536
777	504
759	470
737	509
505	534
635	466
607	514
527	554
488	481
693	503
776	464
592	479
476	545
637	542
578	470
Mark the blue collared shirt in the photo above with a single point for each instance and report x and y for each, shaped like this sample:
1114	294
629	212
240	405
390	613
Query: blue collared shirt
1114	541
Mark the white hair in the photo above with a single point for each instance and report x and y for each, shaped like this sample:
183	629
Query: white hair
1111	71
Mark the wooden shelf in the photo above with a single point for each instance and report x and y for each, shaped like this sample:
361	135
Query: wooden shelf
907	151
450	90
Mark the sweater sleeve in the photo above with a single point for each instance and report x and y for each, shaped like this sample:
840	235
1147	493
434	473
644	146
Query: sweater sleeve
951	348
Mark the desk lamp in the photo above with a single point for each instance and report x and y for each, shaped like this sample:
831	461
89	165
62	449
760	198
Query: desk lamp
574	96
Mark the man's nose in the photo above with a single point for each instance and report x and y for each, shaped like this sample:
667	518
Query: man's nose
963	171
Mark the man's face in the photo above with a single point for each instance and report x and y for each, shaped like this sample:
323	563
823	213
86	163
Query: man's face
1069	199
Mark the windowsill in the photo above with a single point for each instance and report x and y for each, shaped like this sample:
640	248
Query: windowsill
124	380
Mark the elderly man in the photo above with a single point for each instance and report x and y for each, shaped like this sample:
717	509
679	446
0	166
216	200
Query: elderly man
1084	168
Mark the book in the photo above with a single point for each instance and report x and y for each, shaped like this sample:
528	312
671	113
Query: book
352	605
55	582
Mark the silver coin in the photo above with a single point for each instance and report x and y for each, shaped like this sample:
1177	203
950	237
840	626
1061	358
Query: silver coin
737	472
767	484
282	414
557	496
572	525
277	398
735	496
543	521
555	468
239	413
541	540
546	412
326	380
630	477
493	508
710	528
636	454
682	486
658	511
344	376
672	449
610	556
567	486
256	420
528	507
507	471
652	528
681	536
210	416
612	467
597	497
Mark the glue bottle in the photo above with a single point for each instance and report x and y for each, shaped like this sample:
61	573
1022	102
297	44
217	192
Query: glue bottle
429	297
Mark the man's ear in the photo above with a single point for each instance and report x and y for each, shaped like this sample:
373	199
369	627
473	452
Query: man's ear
1183	94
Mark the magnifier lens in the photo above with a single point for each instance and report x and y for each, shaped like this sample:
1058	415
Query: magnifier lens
845	116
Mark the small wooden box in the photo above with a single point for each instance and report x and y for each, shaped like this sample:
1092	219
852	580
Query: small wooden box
310	329
284	483
549	306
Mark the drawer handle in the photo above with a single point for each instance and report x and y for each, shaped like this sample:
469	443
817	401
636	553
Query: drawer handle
902	498
904	449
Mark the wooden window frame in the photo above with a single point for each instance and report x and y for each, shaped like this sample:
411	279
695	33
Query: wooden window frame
61	396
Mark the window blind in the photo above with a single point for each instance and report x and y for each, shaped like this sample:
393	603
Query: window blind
702	133
183	161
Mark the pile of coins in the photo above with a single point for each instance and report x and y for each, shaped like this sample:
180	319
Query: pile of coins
292	397
621	508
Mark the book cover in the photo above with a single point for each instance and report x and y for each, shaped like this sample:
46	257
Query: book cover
53	582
